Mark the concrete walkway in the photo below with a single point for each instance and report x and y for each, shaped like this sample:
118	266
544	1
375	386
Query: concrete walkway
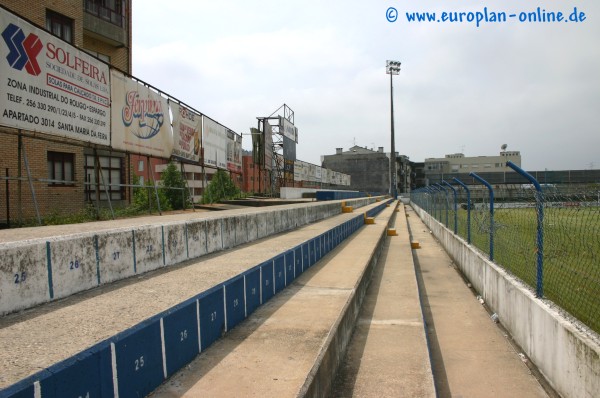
471	356
388	355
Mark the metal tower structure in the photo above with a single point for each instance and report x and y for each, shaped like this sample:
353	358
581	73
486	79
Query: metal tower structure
276	171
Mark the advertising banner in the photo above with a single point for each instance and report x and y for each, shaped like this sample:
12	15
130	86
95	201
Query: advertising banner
288	169
50	86
289	149
214	140
306	171
234	152
140	118
258	146
237	154
287	129
187	129
337	178
268	146
312	174
325	176
297	171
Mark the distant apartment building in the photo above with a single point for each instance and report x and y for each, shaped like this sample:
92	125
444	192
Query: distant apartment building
418	179
459	163
370	169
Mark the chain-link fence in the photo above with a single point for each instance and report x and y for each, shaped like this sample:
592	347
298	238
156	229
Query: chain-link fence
548	236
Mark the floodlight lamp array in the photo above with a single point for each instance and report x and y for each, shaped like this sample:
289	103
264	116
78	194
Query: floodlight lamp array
392	67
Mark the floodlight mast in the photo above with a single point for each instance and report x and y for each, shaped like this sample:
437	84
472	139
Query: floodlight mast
392	68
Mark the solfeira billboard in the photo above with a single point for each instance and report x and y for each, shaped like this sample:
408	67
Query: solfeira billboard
49	86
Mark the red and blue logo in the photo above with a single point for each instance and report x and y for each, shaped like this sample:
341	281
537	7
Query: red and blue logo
23	51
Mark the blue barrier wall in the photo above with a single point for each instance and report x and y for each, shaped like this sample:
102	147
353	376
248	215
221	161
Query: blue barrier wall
136	361
252	281
182	342
339	195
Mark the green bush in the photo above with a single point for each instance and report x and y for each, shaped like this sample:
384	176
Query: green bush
220	188
179	195
145	198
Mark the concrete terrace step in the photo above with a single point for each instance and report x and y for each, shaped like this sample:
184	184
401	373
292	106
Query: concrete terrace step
388	355
42	264
86	343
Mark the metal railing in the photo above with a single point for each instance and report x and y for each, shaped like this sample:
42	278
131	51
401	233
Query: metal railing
546	235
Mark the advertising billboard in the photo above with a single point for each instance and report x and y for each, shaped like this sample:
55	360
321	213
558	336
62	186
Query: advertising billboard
298	171
187	130
289	149
268	147
287	129
325	176
312	172
234	152
140	118
50	86
304	171
288	169
214	140
258	146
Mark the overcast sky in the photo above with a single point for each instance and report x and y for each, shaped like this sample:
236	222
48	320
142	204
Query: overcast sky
462	88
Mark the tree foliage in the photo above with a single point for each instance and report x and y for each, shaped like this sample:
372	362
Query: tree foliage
176	190
145	198
221	187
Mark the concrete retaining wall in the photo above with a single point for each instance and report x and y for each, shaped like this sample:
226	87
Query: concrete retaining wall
567	356
136	361
37	271
294	193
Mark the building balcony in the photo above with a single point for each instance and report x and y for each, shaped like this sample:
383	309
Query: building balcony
105	24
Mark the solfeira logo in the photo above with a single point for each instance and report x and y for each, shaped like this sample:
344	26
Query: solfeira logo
23	51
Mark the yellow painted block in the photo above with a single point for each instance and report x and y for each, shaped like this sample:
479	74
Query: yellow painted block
347	209
392	232
415	245
369	220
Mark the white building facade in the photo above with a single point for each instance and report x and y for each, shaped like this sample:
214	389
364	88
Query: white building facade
459	163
